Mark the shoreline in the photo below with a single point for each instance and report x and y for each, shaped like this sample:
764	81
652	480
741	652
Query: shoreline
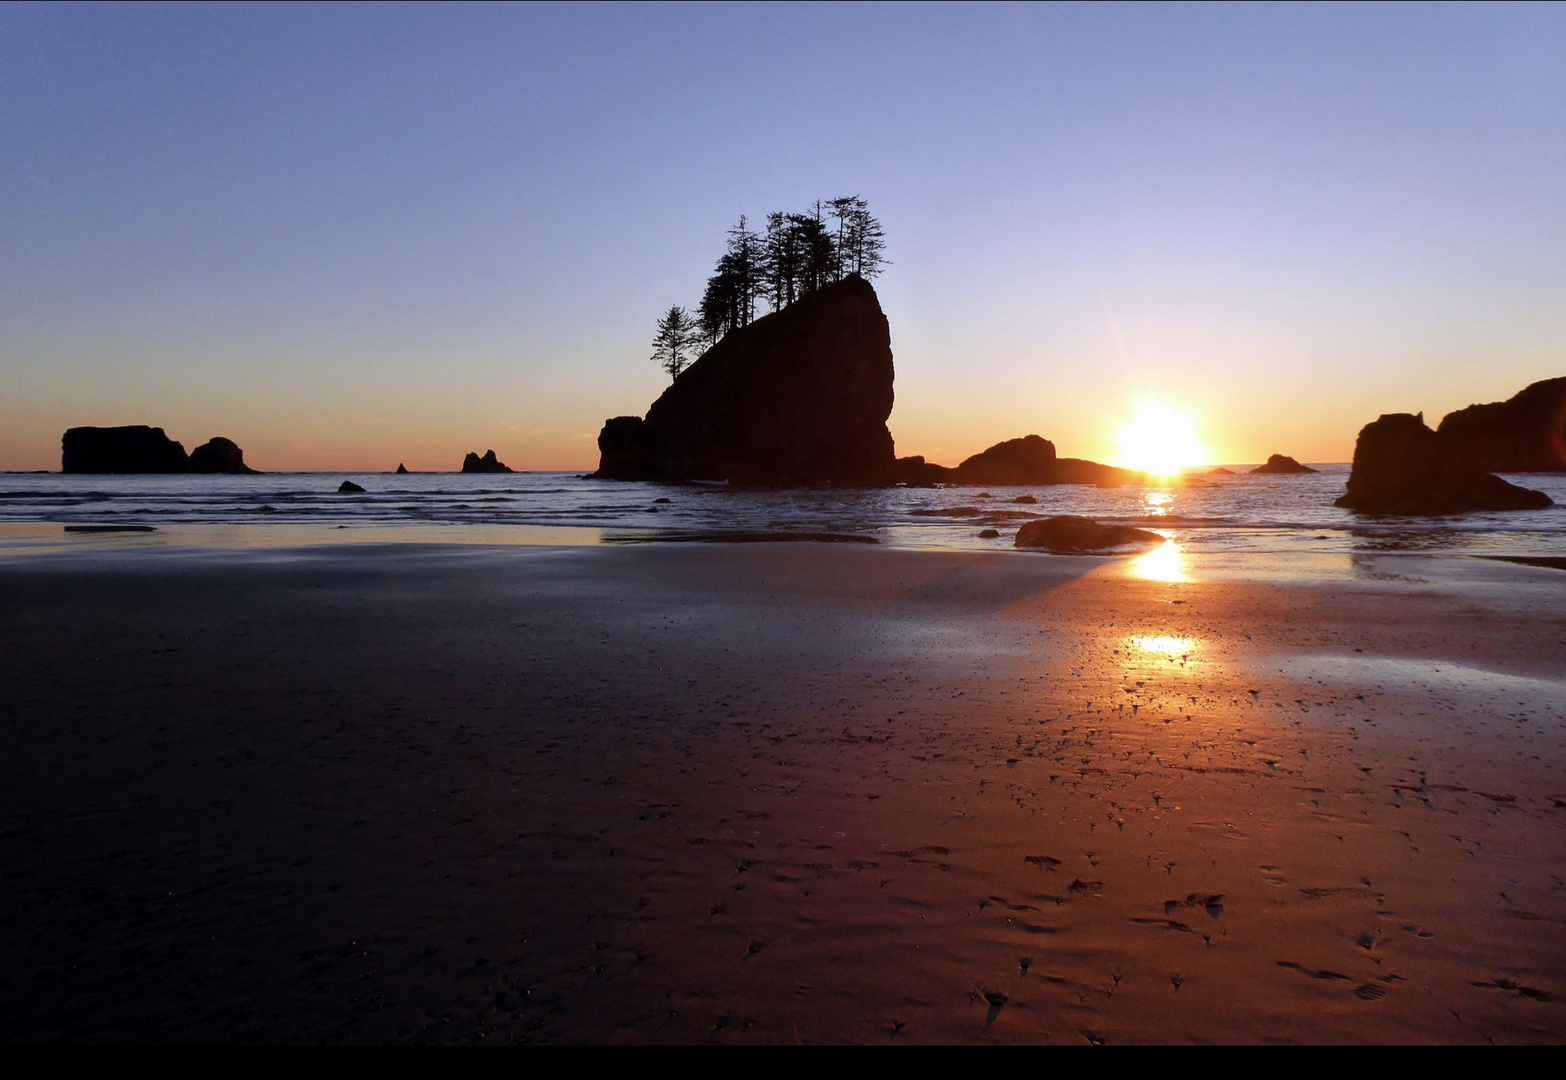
778	793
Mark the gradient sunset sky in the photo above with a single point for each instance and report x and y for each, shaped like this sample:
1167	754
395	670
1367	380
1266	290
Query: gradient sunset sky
352	236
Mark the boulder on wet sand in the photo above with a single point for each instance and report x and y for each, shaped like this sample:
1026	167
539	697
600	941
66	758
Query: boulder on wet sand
1402	467
799	396
1279	465
1069	534
1526	433
135	448
218	455
486	464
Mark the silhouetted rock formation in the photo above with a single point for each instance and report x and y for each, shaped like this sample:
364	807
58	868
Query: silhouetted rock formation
1072	535
1526	433
1221	471
1279	465
133	449
402	470
218	455
1402	467
1028	460
917	472
799	396
349	487
486	464
1077	471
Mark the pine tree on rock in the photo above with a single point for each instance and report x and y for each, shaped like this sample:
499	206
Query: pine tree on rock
675	344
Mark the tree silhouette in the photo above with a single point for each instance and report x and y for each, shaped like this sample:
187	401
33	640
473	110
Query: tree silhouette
859	241
675	341
729	301
798	254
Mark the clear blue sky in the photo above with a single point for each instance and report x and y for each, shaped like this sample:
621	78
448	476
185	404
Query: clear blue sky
348	236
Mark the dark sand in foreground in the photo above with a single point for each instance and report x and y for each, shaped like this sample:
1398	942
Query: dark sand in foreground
775	793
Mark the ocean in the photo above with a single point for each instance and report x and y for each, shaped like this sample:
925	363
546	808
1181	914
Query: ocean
1215	514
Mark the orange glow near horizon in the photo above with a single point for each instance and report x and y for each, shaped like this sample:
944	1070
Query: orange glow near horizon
1160	441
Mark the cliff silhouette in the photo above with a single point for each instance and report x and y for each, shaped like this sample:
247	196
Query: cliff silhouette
1525	433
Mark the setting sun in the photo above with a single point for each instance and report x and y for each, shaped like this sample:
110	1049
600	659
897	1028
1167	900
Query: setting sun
1160	441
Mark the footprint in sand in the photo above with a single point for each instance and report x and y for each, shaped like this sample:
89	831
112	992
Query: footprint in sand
1511	986
1331	976
1212	903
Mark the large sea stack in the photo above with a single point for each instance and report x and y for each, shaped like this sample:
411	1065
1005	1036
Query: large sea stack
133	449
799	396
1402	467
1526	433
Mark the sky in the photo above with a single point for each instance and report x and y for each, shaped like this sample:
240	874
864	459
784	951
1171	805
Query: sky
352	236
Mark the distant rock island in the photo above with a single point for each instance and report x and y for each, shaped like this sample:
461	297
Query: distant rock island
1028	461
486	464
1279	465
1403	467
218	455
1526	433
137	448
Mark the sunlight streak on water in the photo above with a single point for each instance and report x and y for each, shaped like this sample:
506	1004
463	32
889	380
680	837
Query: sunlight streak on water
1158	502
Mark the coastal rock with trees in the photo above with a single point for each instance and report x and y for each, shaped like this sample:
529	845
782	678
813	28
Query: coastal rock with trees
798	396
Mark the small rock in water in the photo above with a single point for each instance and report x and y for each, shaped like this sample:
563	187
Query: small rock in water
350	486
402	470
1027	500
990	534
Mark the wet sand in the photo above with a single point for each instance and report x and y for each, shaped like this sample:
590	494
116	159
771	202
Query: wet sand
776	793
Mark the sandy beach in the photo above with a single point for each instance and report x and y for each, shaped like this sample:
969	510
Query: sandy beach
777	793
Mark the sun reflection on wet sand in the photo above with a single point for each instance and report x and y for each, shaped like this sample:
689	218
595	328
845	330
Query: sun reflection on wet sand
1163	563
1166	646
